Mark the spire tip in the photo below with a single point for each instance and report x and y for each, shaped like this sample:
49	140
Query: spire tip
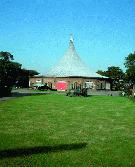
71	38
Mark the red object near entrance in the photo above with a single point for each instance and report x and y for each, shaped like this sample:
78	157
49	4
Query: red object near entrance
61	85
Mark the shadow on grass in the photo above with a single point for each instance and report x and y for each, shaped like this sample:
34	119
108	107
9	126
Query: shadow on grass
42	149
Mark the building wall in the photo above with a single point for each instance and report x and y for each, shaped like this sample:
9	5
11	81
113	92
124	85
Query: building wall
73	82
34	80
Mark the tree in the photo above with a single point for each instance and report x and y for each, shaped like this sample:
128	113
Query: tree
130	69
130	60
117	76
6	56
32	72
9	71
23	78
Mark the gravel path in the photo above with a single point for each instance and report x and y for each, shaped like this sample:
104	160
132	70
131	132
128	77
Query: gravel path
6	98
22	92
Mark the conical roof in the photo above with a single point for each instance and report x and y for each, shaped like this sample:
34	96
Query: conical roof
71	65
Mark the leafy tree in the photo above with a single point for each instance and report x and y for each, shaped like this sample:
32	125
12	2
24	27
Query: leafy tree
23	78
103	73
130	60
130	69
32	72
6	56
9	71
117	76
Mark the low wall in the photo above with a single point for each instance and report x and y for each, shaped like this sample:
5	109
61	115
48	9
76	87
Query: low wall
103	92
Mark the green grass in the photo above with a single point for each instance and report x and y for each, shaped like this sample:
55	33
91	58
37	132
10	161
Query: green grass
106	124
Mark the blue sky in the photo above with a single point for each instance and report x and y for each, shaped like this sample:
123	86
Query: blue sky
37	32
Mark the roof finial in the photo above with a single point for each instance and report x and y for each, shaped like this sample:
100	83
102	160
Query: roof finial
71	38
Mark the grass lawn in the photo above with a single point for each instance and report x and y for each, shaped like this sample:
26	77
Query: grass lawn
59	131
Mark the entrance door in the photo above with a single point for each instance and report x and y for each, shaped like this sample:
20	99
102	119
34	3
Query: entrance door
61	85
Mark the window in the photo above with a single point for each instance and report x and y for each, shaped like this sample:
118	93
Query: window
38	81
